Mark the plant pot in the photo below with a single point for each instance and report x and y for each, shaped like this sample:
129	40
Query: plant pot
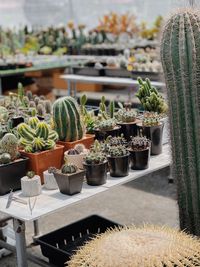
102	135
75	159
155	134
70	184
140	159
11	174
118	166
31	187
16	121
87	141
129	129
96	174
41	161
49	181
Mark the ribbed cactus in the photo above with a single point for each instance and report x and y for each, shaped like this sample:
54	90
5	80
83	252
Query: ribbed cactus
67	120
180	55
9	144
69	168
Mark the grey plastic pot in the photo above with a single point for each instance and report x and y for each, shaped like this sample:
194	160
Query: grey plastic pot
70	184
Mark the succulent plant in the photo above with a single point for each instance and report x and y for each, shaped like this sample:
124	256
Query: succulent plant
126	115
117	151
4	115
5	158
32	104
80	148
139	143
116	140
107	125
48	106
73	151
69	168
139	246
30	174
94	158
149	97
9	144
151	119
52	170
41	110
29	95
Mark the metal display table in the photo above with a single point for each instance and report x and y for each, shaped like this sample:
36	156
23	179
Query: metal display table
72	79
51	201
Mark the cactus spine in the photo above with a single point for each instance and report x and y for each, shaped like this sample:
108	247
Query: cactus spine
67	119
9	144
180	55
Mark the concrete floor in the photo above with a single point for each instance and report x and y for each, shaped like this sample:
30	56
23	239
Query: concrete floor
150	199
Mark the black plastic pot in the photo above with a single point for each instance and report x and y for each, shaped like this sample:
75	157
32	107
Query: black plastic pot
102	135
96	174
140	159
11	174
128	129
155	134
41	118
16	121
70	184
118	166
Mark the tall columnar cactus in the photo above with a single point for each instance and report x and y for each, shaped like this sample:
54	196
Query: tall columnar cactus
180	55
67	120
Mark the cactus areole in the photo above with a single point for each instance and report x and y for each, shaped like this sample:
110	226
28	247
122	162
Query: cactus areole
67	120
180	55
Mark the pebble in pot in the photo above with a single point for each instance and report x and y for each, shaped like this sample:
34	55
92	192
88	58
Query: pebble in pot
49	179
31	184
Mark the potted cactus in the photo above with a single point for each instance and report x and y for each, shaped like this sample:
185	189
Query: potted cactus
127	119
68	124
37	142
152	128
95	164
49	179
12	165
106	128
76	155
118	161
69	179
31	185
139	149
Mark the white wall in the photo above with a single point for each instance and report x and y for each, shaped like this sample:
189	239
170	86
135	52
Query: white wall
53	12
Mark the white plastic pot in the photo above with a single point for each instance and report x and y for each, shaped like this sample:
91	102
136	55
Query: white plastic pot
76	159
50	181
31	186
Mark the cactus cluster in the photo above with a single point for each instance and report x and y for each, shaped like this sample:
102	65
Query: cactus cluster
73	151
94	158
69	168
9	145
107	125
67	119
117	151
52	170
139	143
180	56
151	119
116	140
126	115
36	135
149	97
145	246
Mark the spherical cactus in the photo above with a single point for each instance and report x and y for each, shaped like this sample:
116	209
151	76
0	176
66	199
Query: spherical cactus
49	144
180	56
48	106
69	168
42	130
72	151
5	158
38	144
67	120
25	131
9	144
36	100
80	148
53	135
40	110
32	104
135	247
33	122
29	95
29	149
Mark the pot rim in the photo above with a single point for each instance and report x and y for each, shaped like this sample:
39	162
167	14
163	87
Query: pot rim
15	161
117	127
84	163
57	146
110	157
69	174
131	150
153	126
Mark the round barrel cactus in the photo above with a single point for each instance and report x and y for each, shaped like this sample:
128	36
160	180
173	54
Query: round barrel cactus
67	119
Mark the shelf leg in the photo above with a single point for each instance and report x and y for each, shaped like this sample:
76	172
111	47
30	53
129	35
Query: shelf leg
19	228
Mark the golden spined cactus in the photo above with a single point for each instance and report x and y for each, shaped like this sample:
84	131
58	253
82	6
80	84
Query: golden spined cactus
146	246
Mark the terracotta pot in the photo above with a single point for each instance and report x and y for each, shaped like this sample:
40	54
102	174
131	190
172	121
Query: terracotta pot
41	161
128	129
70	184
87	141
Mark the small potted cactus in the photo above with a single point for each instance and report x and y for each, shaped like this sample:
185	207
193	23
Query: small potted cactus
76	155
12	165
127	119
139	148
49	179
31	184
152	128
106	128
118	161
69	179
95	164
37	142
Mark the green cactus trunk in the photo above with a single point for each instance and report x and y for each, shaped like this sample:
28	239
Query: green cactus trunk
67	120
180	55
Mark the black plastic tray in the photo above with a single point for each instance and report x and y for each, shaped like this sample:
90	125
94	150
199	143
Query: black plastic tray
58	246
